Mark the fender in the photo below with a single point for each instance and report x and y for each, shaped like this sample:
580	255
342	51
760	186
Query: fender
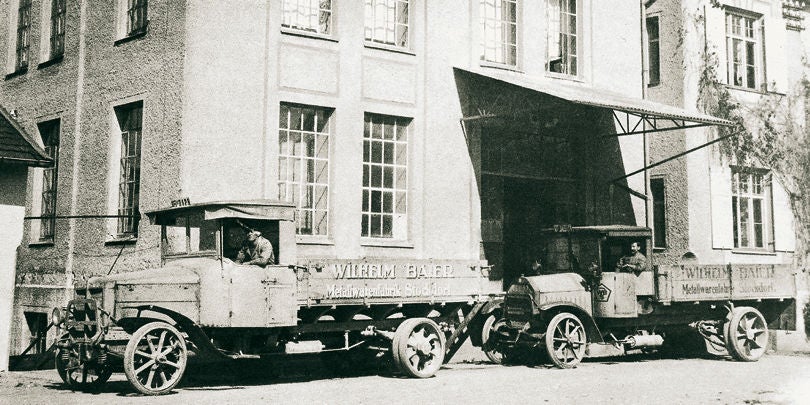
549	310
195	333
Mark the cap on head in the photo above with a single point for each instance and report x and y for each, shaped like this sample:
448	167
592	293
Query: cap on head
253	232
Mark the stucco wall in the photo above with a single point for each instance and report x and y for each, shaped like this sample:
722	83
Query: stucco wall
12	210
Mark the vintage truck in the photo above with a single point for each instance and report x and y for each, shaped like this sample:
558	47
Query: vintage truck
202	305
582	305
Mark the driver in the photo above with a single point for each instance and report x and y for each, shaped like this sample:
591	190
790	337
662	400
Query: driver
256	250
635	262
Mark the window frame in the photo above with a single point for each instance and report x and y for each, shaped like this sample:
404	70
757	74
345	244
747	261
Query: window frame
502	57
58	19
287	166
371	28
577	40
22	55
129	161
756	51
399	193
288	6
50	132
765	210
653	63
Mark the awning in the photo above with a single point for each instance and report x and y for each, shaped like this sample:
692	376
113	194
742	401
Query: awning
246	209
631	115
17	146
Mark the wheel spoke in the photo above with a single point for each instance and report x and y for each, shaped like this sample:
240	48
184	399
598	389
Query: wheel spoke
160	341
149	378
145	366
171	364
559	330
143	354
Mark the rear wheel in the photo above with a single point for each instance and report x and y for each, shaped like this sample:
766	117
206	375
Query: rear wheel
746	334
155	358
565	340
418	347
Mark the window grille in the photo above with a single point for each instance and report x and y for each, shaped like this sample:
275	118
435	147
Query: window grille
50	138
58	11
387	22
130	120
653	51
23	35
136	17
385	177
308	15
304	165
499	28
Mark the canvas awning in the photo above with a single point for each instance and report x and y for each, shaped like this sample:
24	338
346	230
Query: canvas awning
249	209
19	147
631	115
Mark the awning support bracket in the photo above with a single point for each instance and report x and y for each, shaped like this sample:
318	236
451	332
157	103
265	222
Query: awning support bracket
649	123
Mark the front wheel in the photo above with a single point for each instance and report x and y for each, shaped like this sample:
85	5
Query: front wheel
489	343
565	340
746	334
155	358
418	347
77	374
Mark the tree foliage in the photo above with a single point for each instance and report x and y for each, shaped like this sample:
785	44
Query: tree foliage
770	134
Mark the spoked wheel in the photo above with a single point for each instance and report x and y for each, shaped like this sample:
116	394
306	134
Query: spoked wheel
80	375
489	342
565	340
155	358
418	347
746	334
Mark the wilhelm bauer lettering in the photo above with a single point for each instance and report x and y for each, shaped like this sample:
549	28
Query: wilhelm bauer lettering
370	271
715	281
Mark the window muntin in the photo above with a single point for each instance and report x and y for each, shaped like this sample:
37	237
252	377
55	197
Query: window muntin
499	28
304	165
385	177
136	16
57	40
50	138
562	46
659	212
308	15
653	51
742	43
387	22
189	235
23	35
130	121
748	201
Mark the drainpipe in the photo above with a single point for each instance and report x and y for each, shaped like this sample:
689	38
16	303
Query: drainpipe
644	78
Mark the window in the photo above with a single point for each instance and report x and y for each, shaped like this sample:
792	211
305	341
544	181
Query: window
385	177
741	50
653	51
136	17
659	213
499	30
304	165
23	35
563	48
130	118
50	138
190	234
57	42
308	15
387	22
748	200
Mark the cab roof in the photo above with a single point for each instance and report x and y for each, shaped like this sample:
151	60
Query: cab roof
631	231
272	210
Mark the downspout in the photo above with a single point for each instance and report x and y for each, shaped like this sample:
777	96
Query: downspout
644	79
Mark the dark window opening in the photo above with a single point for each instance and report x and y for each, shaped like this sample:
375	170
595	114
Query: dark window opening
38	329
659	213
23	35
136	17
57	28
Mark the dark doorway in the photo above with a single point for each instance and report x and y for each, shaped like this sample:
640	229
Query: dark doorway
528	207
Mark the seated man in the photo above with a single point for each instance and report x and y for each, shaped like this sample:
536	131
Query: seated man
635	262
256	250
